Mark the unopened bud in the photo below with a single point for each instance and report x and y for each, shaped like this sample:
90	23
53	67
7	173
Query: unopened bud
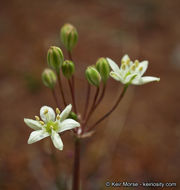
49	78
55	58
68	68
102	66
72	115
93	76
69	36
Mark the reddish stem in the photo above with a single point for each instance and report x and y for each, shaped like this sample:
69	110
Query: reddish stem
76	169
87	100
112	109
72	95
55	97
92	107
61	89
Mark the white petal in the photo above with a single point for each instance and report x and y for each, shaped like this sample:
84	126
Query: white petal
144	80
113	65
37	136
116	76
130	78
68	124
125	58
33	124
49	116
56	139
65	112
144	65
124	71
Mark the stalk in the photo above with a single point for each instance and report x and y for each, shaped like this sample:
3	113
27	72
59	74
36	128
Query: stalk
72	81
98	101
76	167
101	96
55	97
87	100
61	89
92	107
70	55
112	109
72	95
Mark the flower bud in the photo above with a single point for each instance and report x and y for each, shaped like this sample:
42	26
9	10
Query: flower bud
55	58
102	66
93	76
69	36
72	115
68	68
49	78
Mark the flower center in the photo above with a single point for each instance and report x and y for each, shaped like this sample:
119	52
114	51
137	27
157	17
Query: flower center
51	125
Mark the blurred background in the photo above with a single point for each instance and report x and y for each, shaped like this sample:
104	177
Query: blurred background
140	141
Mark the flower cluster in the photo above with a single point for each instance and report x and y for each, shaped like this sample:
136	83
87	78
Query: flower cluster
51	124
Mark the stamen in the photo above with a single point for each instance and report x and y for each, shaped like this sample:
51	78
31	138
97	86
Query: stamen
37	118
51	127
58	117
133	67
140	69
122	62
41	122
136	63
58	111
123	66
46	111
128	62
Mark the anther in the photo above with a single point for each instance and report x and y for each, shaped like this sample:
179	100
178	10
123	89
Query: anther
46	111
140	69
136	63
133	67
58	117
128	62
41	122
58	111
123	66
122	62
37	118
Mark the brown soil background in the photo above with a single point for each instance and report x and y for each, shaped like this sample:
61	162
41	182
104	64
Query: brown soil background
140	141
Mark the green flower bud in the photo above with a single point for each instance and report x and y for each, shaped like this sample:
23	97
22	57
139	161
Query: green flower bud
93	76
55	58
68	68
72	115
49	78
102	66
69	36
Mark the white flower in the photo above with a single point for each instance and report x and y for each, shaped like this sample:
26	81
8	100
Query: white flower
130	72
51	125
